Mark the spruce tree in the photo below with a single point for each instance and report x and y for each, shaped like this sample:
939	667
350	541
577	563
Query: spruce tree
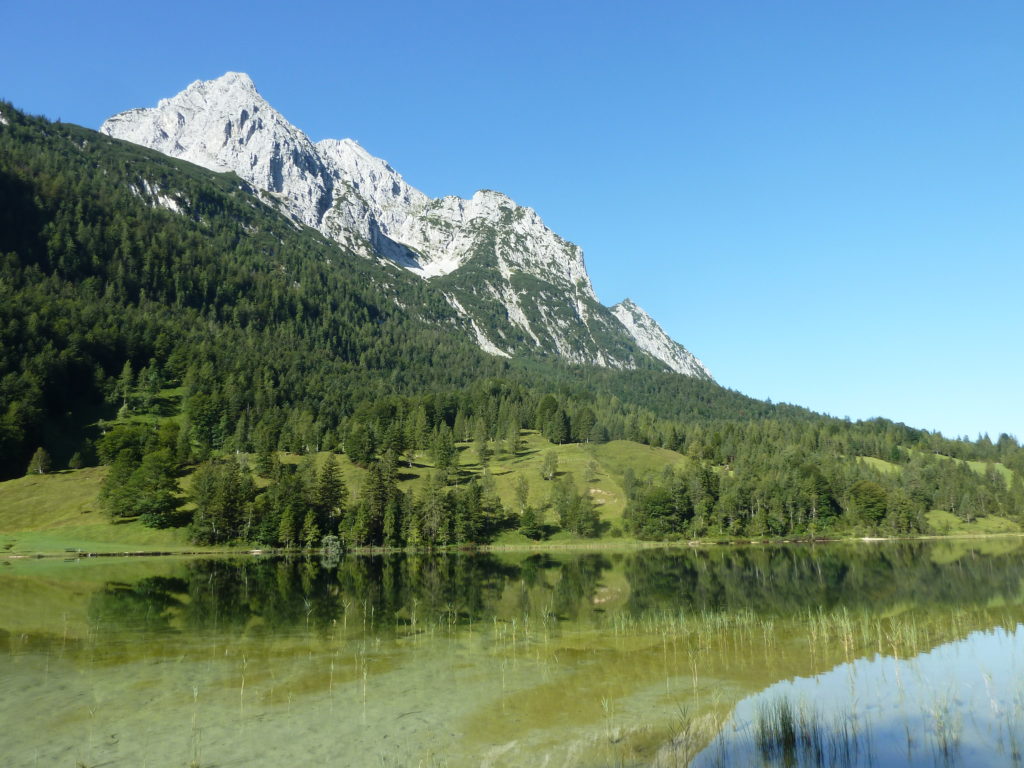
443	450
512	440
329	494
118	492
287	526
529	524
480	443
125	382
156	489
310	531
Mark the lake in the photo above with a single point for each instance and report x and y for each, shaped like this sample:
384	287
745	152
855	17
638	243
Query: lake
866	653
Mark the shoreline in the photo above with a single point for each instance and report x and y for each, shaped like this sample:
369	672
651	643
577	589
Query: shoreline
621	545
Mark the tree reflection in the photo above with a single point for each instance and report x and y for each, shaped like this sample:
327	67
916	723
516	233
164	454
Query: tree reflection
393	591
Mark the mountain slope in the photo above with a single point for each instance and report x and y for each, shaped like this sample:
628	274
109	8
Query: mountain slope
653	340
114	254
135	284
521	287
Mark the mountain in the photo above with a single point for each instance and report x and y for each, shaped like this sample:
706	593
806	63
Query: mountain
520	288
653	340
120	265
155	314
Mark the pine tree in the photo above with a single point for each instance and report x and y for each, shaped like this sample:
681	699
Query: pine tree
512	440
125	383
563	502
359	444
529	524
468	521
156	489
480	443
557	428
586	519
329	494
461	427
418	431
583	425
286	528
443	450
117	493
522	491
392	523
545	409
223	494
434	516
267	464
149	385
310	531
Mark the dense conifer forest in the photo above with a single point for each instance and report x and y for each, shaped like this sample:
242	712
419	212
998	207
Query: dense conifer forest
161	320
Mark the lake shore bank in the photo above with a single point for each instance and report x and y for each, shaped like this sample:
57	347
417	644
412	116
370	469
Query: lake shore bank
620	545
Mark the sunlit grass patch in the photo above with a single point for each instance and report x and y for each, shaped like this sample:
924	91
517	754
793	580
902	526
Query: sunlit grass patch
944	522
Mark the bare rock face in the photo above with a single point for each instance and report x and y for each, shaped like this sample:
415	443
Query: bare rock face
650	337
225	125
337	186
358	200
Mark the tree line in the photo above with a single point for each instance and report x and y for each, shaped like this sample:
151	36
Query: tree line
233	332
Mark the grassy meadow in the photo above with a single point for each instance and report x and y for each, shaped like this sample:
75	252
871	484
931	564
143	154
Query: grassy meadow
51	513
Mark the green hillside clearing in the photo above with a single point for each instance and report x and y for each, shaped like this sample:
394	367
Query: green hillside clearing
943	522
54	512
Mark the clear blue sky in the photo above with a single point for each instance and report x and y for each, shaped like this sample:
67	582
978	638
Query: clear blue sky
823	200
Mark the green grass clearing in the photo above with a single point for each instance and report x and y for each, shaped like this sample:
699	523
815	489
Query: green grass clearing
880	464
58	511
944	522
53	512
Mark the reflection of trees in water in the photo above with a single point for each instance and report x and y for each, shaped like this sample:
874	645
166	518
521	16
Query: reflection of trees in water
148	605
434	588
795	578
388	590
219	596
228	595
578	580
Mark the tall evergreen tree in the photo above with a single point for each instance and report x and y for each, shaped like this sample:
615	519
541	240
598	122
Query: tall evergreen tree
329	495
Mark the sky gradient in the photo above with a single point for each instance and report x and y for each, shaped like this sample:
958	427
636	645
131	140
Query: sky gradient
824	201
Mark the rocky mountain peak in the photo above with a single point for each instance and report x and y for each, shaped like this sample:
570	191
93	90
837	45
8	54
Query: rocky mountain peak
529	289
235	87
337	186
651	338
225	125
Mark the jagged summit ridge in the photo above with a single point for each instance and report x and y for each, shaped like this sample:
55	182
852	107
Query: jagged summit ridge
225	125
337	186
518	285
652	339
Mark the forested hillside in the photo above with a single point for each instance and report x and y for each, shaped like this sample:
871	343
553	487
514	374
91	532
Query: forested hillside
158	318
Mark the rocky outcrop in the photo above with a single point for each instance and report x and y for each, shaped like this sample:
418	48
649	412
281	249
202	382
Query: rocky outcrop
650	337
521	286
